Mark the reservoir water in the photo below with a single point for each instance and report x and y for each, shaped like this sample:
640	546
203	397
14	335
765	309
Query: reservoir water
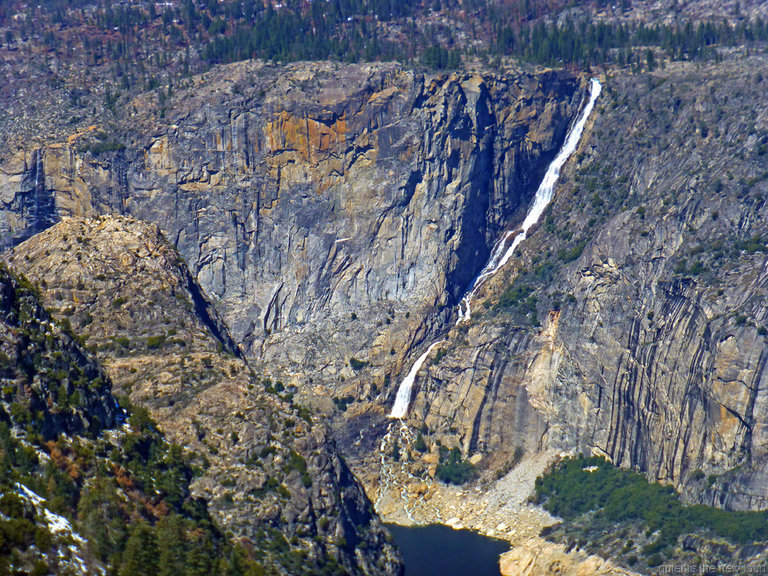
437	550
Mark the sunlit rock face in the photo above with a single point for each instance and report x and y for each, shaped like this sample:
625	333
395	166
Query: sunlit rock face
336	214
331	212
631	323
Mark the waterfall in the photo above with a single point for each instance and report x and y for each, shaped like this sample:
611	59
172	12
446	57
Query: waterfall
38	169
394	475
403	398
38	161
503	251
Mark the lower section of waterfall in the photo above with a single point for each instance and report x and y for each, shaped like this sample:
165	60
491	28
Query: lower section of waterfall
403	398
506	246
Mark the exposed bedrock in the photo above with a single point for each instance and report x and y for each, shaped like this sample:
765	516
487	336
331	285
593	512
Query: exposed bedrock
633	323
331	212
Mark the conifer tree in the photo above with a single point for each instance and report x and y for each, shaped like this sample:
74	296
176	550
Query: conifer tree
140	554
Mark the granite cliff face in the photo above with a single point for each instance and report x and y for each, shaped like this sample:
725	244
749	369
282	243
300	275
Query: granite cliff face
335	215
271	473
314	196
303	198
633	322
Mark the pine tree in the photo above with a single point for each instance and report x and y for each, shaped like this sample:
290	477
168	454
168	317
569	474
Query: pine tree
201	553
101	520
140	554
171	546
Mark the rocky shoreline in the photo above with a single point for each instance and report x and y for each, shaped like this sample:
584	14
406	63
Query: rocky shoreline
500	509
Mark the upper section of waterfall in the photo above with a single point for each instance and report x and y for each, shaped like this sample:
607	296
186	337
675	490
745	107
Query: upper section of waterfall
503	251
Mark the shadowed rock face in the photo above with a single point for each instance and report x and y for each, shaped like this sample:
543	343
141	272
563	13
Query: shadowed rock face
45	372
317	196
28	204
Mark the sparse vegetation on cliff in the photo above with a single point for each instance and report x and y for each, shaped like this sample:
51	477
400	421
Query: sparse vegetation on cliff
125	492
252	448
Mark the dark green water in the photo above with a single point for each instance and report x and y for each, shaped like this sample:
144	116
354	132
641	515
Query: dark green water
437	550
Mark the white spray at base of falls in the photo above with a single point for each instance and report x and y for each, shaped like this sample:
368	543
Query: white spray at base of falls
501	251
403	398
398	437
395	497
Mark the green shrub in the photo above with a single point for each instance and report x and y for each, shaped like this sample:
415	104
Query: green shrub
752	245
118	302
154	342
697	268
343	403
40	568
698	474
101	147
304	413
452	469
296	462
572	253
419	444
267	451
357	364
655	559
518	300
514	295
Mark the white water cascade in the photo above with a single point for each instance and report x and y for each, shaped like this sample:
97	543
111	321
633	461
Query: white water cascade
503	251
398	437
403	398
36	191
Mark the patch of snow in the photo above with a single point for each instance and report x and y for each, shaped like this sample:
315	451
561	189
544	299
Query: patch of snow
60	526
56	524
